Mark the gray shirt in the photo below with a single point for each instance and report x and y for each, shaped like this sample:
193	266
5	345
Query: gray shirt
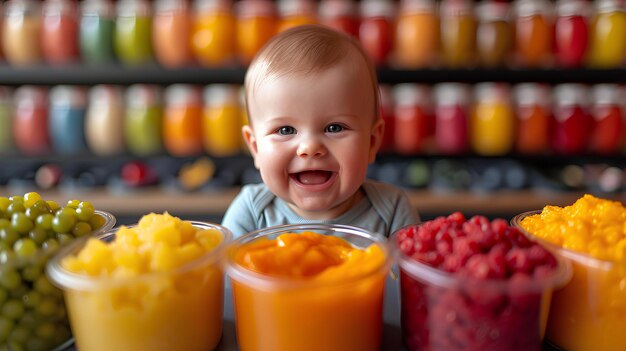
383	210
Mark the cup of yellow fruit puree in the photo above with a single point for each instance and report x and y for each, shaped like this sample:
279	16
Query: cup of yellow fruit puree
589	313
308	287
156	285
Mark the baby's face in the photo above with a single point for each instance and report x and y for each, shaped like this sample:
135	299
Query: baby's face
313	136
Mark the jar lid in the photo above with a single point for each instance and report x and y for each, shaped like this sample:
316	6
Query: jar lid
143	95
492	10
68	95
607	94
532	94
253	8
456	7
335	8
58	7
377	8
417	6
133	8
572	7
532	7
608	6
98	8
221	94
492	92
182	94
21	7
411	94
105	94
30	96
571	94
212	6
161	6
297	7
452	94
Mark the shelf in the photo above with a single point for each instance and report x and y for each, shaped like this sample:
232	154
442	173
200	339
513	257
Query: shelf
154	74
213	203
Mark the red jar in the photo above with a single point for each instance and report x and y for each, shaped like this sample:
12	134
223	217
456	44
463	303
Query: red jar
59	35
340	15
571	124
30	120
532	111
413	118
608	118
451	117
376	29
571	32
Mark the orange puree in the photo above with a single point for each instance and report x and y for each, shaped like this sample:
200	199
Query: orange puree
156	286
590	312
308	291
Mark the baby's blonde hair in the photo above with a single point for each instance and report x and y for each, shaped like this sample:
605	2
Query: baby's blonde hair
307	49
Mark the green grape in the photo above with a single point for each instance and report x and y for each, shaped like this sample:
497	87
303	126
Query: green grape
13	309
31	273
43	285
17	199
19	334
97	222
73	204
4	295
81	228
38	235
29	319
6	326
2	214
4	203
46	330
51	245
31	299
15	207
31	198
63	223
53	205
25	248
47	307
15	345
8	258
32	213
21	223
84	211
5	223
18	292
44	221
9	278
42	206
9	235
4	245
64	238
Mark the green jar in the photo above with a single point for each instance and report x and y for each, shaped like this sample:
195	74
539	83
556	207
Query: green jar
144	118
133	32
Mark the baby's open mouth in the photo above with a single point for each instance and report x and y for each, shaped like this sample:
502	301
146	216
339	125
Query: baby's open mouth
312	177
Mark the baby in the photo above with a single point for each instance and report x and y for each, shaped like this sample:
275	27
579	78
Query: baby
314	127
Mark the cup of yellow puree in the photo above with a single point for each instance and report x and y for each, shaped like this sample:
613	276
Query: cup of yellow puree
156	285
308	287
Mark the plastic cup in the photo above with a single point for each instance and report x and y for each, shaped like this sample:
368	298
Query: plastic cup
283	314
177	310
442	311
588	313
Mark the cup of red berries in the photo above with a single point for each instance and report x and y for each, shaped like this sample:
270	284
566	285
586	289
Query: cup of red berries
474	285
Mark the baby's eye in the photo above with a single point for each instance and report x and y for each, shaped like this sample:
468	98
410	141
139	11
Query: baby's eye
286	130
334	128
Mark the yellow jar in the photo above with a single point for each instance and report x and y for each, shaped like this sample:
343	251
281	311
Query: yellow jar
222	120
607	34
213	34
492	122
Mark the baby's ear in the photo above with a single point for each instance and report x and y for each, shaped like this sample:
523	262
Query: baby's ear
249	138
376	138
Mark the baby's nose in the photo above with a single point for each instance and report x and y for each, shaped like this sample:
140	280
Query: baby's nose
311	147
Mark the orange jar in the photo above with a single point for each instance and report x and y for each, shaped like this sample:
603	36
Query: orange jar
297	289
213	33
458	33
295	13
21	32
417	34
607	35
59	36
340	15
222	120
533	32
492	124
533	113
182	120
256	24
494	35
171	29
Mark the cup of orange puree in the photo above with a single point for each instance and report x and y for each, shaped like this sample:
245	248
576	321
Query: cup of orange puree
156	285
589	313
308	287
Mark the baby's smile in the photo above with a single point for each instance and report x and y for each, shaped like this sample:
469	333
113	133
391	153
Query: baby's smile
312	177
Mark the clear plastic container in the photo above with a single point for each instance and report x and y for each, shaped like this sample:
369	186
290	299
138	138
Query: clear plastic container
589	312
178	310
279	313
442	311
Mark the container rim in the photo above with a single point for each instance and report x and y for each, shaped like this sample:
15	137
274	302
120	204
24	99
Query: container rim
579	257
65	279
430	275
270	283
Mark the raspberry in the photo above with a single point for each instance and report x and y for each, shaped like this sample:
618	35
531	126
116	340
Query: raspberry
497	262
478	267
444	247
465	248
407	246
433	259
457	217
452	263
518	262
540	256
